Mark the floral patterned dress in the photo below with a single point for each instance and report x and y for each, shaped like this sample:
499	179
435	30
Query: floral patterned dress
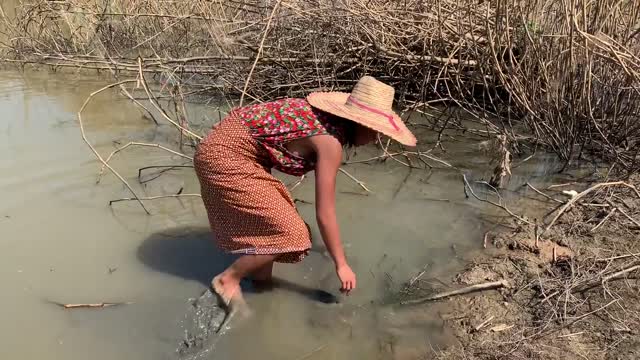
249	210
275	123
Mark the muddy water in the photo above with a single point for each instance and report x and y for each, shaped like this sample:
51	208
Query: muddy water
62	243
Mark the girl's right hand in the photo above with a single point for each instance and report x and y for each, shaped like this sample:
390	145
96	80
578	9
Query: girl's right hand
347	278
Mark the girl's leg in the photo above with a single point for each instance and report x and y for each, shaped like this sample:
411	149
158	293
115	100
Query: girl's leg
263	274
227	284
262	278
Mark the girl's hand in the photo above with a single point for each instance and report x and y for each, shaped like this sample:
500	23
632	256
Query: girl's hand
329	157
347	278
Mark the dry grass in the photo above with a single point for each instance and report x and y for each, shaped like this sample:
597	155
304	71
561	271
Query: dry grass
563	73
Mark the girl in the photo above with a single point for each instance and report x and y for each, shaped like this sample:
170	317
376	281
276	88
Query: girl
251	212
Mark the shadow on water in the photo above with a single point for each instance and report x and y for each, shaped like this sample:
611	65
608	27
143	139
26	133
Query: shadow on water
186	252
190	253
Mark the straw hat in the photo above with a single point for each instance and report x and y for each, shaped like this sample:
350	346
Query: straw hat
370	104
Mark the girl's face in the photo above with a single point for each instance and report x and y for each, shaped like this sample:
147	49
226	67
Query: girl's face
364	135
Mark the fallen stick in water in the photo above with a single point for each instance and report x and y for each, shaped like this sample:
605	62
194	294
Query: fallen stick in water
91	306
466	290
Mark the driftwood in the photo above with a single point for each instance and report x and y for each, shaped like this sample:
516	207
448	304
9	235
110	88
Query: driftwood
469	289
92	305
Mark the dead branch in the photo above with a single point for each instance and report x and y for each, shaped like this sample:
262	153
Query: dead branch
555	186
600	282
154	102
313	352
543	194
469	289
163	167
468	186
585	192
619	257
604	219
92	305
297	183
95	152
264	37
634	221
483	324
133	143
156	197
360	183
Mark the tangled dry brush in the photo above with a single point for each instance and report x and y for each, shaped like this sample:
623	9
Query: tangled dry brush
564	73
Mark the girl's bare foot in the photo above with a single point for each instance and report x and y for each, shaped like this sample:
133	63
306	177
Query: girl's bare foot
226	290
230	295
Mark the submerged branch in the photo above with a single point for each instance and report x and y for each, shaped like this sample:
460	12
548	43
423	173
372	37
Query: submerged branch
141	145
155	197
95	152
519	218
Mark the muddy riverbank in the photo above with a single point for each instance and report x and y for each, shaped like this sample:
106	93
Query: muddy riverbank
572	295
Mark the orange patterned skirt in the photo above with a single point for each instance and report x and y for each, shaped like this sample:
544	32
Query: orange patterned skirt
249	210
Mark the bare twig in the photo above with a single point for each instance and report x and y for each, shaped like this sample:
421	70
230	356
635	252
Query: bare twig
619	257
483	324
153	101
95	152
92	305
142	145
156	197
469	289
163	167
634	221
613	211
311	353
264	36
585	192
555	186
605	279
360	183
543	194
468	186
297	183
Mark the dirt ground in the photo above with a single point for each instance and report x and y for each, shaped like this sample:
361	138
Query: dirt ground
574	295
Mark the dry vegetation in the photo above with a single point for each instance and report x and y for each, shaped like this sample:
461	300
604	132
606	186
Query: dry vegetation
573	292
559	75
562	74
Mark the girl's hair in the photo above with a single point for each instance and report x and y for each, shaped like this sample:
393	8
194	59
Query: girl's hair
350	129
